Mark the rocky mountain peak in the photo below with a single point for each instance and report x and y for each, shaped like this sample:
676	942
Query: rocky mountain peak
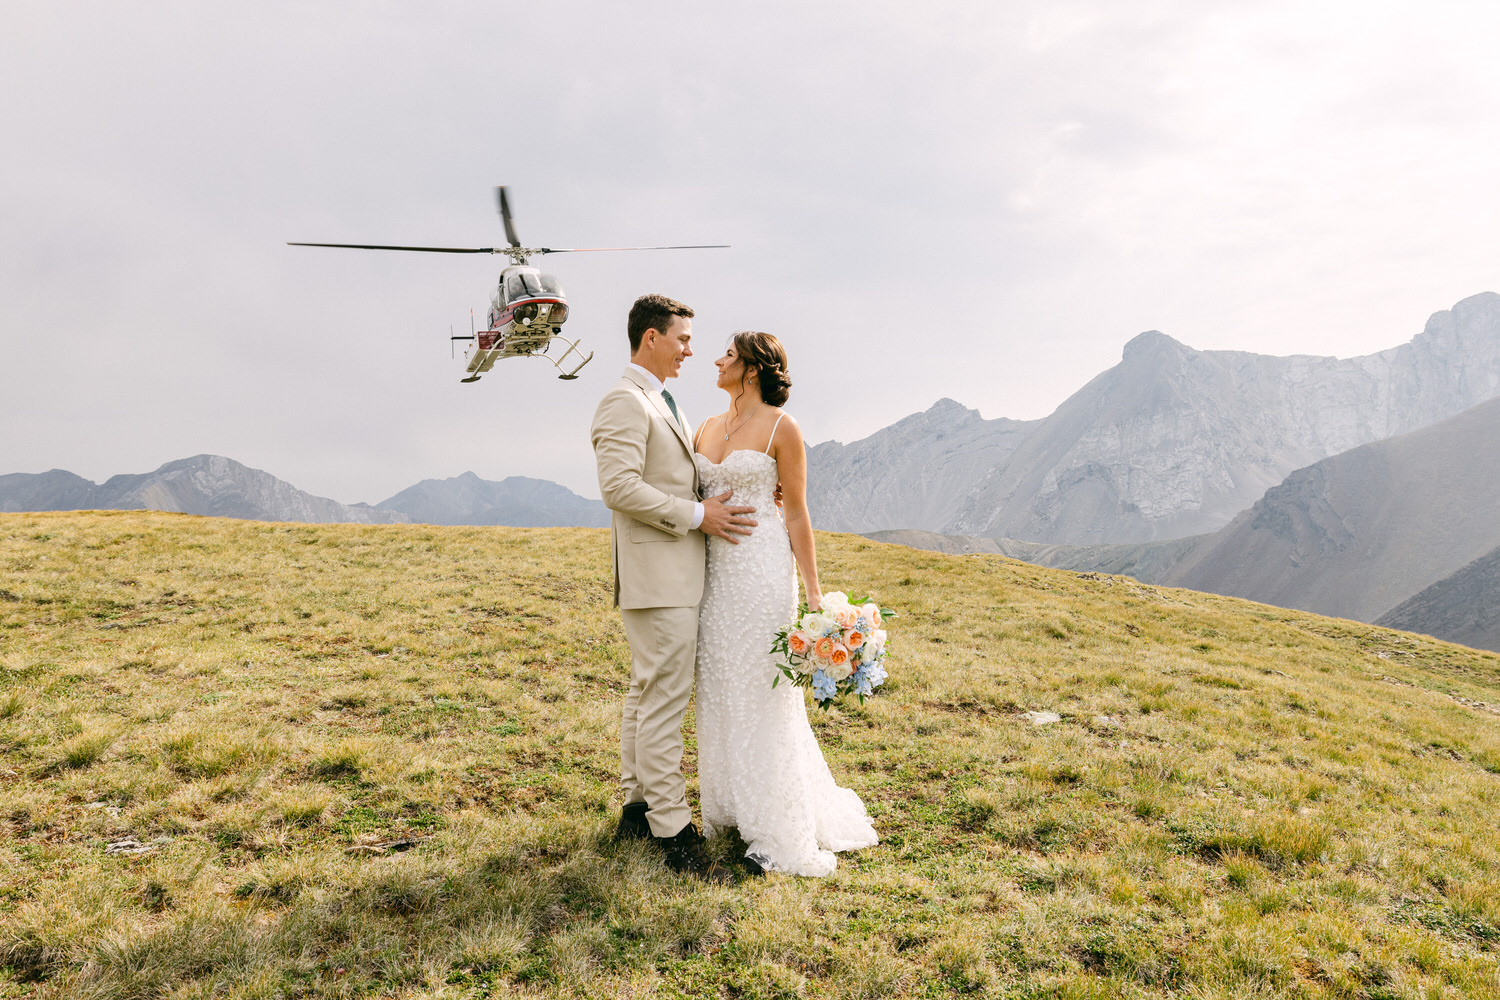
1150	346
949	414
1472	324
1170	442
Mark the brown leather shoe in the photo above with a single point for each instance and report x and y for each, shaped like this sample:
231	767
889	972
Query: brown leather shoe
686	856
633	825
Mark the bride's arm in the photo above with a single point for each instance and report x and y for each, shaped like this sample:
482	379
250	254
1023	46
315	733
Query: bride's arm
791	462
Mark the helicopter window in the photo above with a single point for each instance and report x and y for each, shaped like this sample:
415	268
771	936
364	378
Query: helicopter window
551	286
515	288
533	286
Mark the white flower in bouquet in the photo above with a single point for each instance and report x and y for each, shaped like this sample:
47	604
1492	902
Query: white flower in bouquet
818	624
837	599
871	613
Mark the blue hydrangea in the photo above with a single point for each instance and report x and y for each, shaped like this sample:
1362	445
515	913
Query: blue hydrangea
823	686
873	673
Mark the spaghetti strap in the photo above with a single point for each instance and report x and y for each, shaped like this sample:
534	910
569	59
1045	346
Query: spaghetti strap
699	434
773	431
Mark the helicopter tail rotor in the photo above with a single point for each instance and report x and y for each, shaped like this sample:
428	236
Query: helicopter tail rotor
510	229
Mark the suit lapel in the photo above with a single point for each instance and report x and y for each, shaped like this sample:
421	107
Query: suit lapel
661	407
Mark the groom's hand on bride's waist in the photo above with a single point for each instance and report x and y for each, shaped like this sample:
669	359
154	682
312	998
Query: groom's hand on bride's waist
725	521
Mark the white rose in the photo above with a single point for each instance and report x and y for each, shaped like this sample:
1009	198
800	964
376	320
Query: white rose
838	671
837	599
819	624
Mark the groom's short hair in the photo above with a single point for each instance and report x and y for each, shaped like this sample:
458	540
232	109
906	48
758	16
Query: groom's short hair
653	312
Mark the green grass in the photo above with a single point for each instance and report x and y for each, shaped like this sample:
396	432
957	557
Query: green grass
379	761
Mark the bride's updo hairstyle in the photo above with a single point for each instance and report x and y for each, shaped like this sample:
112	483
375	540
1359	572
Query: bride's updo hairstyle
763	354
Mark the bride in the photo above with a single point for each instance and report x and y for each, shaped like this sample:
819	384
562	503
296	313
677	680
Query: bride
759	767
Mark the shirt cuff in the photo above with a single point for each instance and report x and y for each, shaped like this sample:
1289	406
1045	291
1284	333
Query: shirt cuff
697	516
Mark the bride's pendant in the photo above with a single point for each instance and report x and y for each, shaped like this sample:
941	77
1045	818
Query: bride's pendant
732	430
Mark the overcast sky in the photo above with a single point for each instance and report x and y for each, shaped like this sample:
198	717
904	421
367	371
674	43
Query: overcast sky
979	200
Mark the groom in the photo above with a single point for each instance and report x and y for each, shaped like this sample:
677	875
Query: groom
643	447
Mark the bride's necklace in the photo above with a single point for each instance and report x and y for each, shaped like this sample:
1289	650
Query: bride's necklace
728	430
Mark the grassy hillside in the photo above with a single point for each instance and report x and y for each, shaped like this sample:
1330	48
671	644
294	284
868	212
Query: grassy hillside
266	760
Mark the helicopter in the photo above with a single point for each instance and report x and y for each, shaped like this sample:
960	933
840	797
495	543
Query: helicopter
527	309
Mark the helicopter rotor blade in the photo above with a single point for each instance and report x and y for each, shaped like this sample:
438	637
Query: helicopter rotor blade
510	229
367	246
707	246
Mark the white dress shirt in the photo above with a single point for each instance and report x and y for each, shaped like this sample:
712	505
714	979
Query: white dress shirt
656	383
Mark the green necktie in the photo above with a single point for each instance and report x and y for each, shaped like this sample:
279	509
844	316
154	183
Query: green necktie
672	405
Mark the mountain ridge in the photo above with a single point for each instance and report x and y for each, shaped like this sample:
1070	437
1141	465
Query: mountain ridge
1170	442
516	501
209	485
1463	607
1363	534
216	486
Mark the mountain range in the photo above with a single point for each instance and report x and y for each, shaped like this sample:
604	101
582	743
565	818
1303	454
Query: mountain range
1404	532
1170	442
221	487
1366	487
204	484
516	502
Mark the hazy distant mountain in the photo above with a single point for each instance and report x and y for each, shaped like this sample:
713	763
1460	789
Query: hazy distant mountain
516	501
204	484
1169	443
1357	534
915	473
54	490
1464	607
1149	562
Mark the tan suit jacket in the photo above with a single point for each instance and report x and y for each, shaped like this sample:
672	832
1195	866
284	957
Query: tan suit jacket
648	478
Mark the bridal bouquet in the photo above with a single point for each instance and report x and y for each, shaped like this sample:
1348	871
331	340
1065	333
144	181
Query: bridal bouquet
836	650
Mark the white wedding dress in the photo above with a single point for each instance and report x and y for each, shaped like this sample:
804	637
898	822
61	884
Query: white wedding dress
759	766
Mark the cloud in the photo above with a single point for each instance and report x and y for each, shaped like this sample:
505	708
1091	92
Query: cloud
976	201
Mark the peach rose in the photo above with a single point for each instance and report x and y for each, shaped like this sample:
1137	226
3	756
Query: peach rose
839	666
797	643
824	647
854	639
872	612
845	616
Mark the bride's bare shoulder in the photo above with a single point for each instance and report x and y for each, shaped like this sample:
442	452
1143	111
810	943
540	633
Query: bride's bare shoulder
785	431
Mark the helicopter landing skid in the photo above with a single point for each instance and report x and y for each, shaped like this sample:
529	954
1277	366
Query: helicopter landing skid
572	349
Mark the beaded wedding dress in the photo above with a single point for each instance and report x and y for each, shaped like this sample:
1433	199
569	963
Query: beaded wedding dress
759	766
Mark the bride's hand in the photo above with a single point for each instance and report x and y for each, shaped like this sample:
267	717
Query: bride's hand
815	602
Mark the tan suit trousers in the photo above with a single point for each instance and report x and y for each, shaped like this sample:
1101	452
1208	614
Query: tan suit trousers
663	647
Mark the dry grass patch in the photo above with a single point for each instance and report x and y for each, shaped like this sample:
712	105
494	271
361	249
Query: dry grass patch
265	760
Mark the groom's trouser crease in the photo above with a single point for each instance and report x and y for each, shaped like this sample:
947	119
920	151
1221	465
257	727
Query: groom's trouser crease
663	644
